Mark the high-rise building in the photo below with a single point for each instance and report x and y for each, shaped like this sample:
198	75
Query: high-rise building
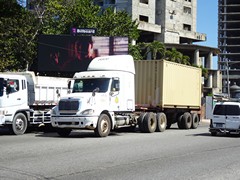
229	44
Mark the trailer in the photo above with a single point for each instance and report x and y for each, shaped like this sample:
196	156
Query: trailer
117	91
26	100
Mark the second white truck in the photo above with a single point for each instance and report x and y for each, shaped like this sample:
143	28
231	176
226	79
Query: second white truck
26	99
117	91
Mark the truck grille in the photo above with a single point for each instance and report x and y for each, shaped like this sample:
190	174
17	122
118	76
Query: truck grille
68	105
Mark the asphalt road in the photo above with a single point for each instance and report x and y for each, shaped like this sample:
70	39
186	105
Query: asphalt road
173	154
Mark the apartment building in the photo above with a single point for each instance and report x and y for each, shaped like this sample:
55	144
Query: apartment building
229	44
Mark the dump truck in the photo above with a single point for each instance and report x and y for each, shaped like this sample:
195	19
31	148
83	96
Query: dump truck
117	91
26	99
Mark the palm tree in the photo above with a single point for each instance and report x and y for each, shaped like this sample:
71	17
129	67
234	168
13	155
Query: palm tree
186	60
173	55
155	48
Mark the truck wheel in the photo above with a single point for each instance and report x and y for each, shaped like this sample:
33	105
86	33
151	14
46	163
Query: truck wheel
140	121
63	132
180	121
213	133
195	121
149	123
187	120
103	126
161	122
19	124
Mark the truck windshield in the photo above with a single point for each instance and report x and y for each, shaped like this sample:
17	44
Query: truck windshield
88	85
1	86
233	110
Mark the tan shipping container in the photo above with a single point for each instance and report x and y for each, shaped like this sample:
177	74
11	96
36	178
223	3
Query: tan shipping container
167	85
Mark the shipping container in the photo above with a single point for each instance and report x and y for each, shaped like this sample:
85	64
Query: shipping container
165	84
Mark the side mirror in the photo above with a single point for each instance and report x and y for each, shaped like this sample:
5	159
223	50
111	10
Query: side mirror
69	84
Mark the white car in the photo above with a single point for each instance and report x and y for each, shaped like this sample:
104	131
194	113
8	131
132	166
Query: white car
226	118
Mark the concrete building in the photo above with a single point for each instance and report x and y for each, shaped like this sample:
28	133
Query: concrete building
172	22
229	44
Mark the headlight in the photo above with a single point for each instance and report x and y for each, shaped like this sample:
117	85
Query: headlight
87	112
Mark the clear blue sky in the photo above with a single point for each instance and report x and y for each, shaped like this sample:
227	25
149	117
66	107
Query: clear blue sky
207	22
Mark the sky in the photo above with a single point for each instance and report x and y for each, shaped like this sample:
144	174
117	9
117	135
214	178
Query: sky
207	23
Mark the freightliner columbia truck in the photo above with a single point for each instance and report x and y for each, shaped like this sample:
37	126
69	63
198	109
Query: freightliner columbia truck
26	99
117	91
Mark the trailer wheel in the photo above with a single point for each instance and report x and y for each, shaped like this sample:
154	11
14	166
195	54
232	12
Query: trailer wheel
140	121
195	121
161	122
187	120
180	121
214	133
63	132
149	123
19	124
103	126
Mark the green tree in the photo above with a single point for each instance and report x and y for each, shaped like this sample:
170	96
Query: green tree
186	60
135	51
173	55
60	16
117	24
17	36
155	48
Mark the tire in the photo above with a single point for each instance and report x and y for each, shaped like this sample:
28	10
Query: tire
187	120
149	123
161	122
19	124
63	132
195	121
180	121
103	126
140	121
213	133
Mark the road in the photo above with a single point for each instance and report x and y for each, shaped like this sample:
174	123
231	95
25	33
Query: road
173	154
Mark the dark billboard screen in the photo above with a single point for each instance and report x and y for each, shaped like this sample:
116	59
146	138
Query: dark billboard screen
58	53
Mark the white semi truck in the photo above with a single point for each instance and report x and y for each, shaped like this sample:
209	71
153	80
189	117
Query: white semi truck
117	91
26	99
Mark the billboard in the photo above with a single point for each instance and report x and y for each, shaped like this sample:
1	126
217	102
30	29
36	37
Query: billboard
59	53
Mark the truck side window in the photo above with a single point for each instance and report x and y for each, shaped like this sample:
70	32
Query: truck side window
12	86
115	84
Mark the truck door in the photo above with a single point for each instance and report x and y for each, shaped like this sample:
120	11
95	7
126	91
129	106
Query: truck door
15	93
232	117
114	95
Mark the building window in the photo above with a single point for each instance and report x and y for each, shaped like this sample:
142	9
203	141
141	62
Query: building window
143	18
187	27
144	1
188	0
110	2
187	10
99	2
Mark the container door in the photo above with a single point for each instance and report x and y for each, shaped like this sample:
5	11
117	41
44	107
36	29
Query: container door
232	117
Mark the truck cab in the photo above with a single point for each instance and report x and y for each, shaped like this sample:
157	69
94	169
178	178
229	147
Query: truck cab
99	96
13	99
226	118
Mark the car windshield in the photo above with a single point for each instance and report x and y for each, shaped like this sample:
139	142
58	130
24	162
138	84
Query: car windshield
233	110
89	85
